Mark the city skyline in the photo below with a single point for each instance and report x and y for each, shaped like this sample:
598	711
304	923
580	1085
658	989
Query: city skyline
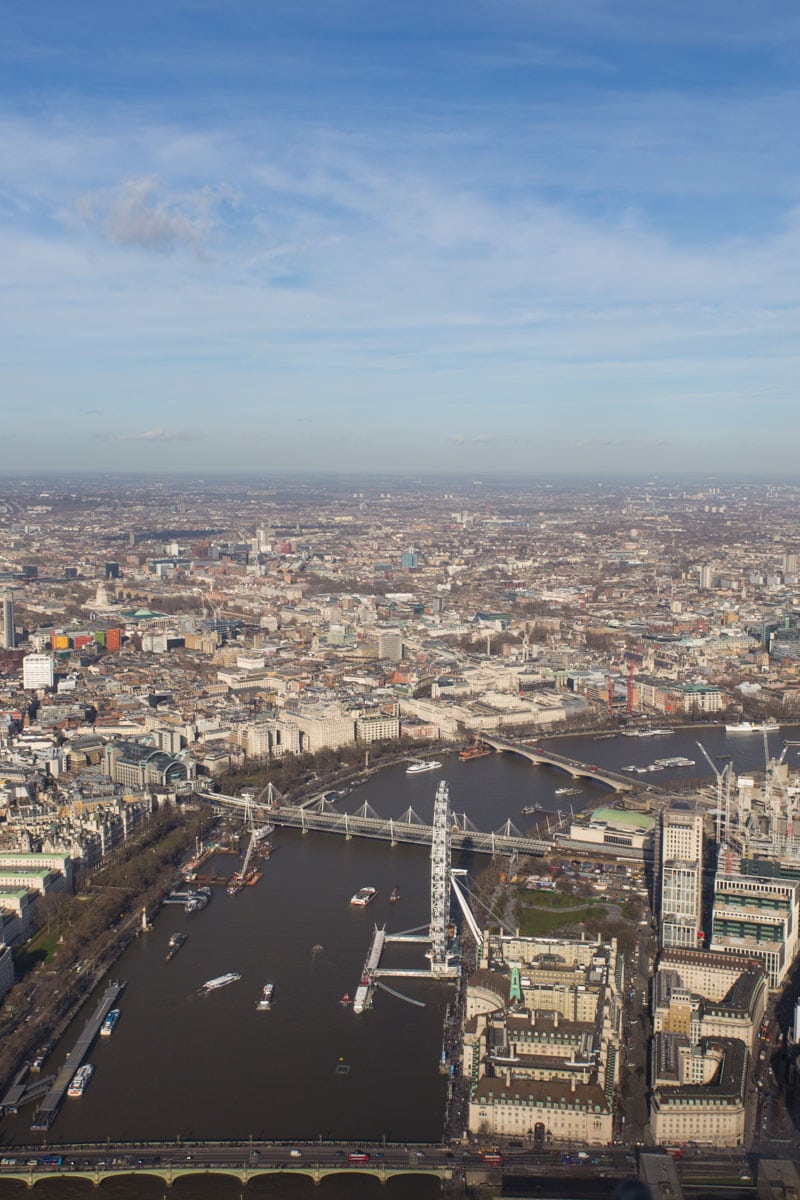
517	237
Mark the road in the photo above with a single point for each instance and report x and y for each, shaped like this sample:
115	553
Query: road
251	1159
632	1113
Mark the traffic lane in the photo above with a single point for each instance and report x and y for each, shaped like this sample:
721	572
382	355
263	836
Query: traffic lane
271	1158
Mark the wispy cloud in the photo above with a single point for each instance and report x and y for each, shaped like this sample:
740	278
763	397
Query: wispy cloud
139	212
542	214
622	443
152	436
477	439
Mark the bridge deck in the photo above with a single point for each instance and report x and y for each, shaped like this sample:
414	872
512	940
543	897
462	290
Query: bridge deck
352	825
571	766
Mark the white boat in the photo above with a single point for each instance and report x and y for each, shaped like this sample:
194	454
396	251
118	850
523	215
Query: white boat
198	900
751	727
80	1080
361	999
568	791
265	1000
417	768
675	762
221	981
364	896
107	1028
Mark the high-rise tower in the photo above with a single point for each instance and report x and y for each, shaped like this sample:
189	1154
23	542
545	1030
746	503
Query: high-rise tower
681	876
9	633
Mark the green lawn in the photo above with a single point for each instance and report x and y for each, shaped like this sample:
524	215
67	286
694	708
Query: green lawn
41	949
552	900
535	921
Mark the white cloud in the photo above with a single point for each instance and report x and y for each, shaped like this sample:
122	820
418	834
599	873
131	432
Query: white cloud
139	213
361	271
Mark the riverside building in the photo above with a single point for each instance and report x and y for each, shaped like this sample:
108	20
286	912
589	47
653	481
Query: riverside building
541	1039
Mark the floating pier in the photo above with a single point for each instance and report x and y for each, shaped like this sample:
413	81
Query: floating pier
403	973
23	1090
46	1112
363	996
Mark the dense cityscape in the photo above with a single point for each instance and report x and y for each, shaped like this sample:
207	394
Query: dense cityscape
195	674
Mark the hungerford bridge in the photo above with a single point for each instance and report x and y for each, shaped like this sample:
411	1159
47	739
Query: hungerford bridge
318	815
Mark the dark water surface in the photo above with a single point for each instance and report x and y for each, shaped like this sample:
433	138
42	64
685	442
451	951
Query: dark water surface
220	1187
181	1064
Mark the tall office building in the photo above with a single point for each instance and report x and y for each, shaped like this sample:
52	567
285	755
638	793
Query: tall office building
37	671
9	634
390	644
681	876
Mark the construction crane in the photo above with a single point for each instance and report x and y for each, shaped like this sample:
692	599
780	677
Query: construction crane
791	796
255	837
723	778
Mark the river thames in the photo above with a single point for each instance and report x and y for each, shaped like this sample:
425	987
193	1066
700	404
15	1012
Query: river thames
185	1065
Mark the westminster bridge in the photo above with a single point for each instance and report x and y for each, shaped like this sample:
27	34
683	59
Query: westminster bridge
458	1168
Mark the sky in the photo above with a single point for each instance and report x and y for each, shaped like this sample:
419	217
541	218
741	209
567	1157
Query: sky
479	237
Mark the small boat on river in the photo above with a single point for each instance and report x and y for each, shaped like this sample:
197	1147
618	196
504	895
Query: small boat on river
265	1001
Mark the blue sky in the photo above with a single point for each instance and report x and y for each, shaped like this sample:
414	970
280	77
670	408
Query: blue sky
482	236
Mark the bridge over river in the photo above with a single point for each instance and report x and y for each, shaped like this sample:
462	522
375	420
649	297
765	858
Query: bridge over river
318	816
241	1162
458	1168
571	766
